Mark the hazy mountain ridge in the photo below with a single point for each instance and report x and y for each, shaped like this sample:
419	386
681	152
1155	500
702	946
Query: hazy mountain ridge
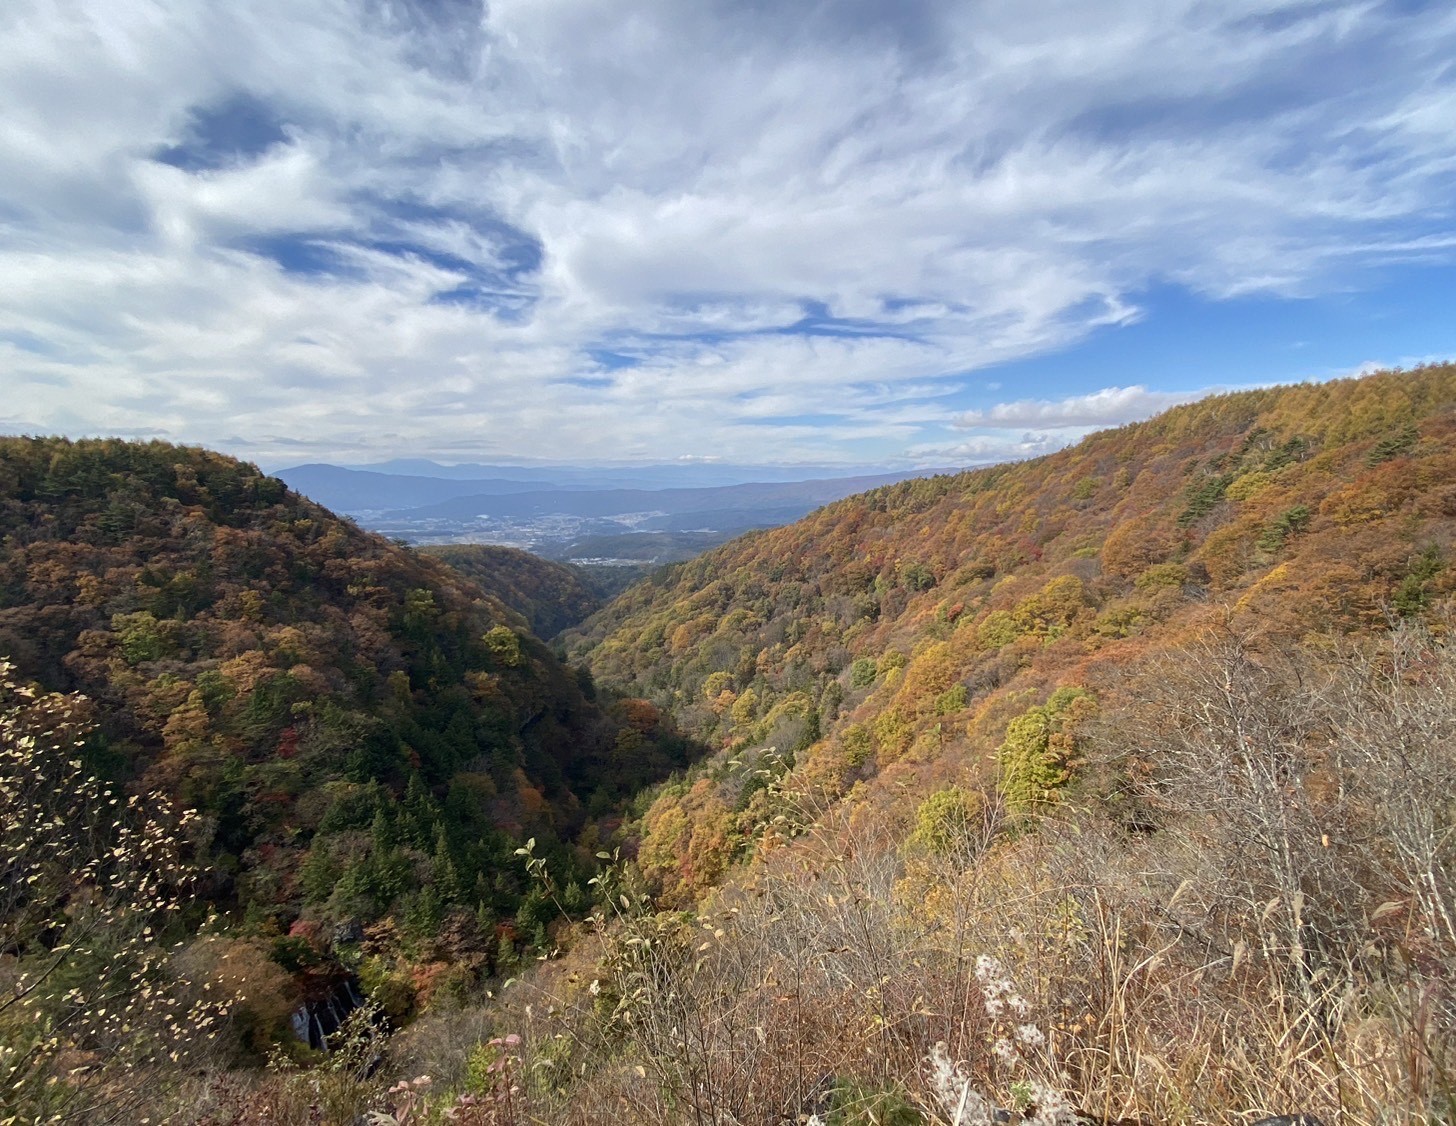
547	510
352	491
670	502
684	473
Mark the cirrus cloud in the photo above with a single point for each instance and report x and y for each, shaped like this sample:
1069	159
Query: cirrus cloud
574	228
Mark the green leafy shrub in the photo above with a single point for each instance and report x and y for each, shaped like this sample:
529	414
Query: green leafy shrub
952	700
390	989
997	629
1037	758
855	1103
947	821
1161	575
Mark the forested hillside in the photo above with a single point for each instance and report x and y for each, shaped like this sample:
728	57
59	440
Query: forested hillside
551	596
367	733
907	625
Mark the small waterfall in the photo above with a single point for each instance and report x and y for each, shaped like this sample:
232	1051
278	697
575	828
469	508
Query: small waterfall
314	1022
300	1020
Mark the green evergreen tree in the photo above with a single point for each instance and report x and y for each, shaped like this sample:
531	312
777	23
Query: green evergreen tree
442	868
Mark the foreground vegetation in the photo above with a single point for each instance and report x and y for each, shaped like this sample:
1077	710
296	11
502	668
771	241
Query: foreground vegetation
1244	906
1116	785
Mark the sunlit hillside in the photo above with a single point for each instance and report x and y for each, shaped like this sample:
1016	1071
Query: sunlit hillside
1153	734
895	633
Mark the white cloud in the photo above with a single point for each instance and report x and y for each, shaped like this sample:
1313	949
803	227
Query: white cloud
287	190
990	449
955	185
1111	406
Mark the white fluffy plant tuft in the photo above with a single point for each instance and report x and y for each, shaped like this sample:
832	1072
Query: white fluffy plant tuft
949	1083
1020	1046
95	1015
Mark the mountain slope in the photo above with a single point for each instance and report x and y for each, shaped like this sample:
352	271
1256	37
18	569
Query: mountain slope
551	596
1110	787
365	730
908	625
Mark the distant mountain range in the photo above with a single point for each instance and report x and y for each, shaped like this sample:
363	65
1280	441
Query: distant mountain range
551	509
358	491
806	495
679	474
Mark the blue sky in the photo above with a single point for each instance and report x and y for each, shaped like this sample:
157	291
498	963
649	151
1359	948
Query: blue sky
852	232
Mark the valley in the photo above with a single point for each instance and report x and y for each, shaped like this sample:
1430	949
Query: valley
852	563
1109	785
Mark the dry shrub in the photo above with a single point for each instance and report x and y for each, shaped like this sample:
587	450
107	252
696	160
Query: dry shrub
338	1091
263	992
93	1017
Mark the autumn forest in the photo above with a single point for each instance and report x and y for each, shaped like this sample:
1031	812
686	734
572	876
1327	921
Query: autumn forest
1113	786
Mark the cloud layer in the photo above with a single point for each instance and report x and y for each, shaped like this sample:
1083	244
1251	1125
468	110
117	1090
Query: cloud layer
573	229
